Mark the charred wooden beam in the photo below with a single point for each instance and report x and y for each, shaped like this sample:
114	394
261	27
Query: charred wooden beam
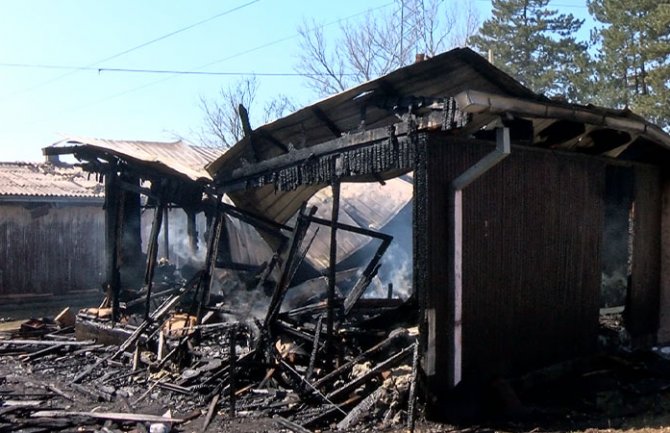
368	354
191	230
286	273
271	139
255	220
205	280
152	256
315	349
332	271
411	404
393	361
232	341
112	224
365	278
127	186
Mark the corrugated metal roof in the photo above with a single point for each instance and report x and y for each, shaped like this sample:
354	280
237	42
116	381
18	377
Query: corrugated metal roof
21	179
177	157
367	205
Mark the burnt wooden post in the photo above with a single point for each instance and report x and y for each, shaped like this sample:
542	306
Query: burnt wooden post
335	186
288	264
232	341
191	231
166	235
129	232
152	255
205	282
112	277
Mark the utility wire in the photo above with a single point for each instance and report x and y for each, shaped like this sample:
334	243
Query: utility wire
232	56
160	71
124	52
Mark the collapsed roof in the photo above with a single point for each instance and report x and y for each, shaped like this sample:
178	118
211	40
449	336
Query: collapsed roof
177	158
485	95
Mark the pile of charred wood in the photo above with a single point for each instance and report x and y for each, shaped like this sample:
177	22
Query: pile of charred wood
337	363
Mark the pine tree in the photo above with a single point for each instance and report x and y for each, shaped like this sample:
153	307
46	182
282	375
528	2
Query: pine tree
537	46
633	68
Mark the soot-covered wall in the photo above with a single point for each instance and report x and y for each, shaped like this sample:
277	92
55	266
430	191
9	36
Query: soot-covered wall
531	257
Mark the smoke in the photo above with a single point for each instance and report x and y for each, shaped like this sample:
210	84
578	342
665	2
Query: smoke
179	251
231	289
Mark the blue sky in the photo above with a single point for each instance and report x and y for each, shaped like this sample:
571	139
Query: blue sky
39	105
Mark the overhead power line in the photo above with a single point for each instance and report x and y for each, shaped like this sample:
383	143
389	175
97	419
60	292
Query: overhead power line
230	57
129	50
160	71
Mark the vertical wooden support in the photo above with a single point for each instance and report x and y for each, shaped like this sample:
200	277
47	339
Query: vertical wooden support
288	264
232	341
130	261
330	319
152	255
663	336
166	233
642	308
112	277
191	231
210	260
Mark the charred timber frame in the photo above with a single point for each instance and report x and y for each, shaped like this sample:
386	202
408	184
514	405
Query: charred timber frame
365	153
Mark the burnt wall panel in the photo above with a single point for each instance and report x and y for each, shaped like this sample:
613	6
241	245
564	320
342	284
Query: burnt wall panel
47	250
643	300
531	263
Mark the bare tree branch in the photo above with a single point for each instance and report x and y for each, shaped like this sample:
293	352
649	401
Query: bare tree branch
382	41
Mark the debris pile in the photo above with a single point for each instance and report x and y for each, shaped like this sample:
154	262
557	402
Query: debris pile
307	364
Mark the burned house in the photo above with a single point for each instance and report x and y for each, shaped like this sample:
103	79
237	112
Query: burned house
514	198
51	225
438	225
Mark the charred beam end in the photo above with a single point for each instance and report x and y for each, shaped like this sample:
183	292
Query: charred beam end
248	132
327	121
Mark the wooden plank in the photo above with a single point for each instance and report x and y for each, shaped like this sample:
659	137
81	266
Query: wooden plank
114	416
664	307
642	309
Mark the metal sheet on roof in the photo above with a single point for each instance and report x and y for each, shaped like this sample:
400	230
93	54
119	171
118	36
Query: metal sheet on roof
178	157
367	205
20	179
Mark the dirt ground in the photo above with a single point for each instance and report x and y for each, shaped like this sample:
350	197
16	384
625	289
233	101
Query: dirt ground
616	398
617	391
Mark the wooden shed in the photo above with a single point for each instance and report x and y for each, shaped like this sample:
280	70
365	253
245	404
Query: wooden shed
51	232
515	198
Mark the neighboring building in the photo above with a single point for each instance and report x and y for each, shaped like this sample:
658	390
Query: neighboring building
51	232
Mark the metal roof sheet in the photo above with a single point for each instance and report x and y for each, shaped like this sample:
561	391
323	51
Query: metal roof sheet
367	205
177	157
21	179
